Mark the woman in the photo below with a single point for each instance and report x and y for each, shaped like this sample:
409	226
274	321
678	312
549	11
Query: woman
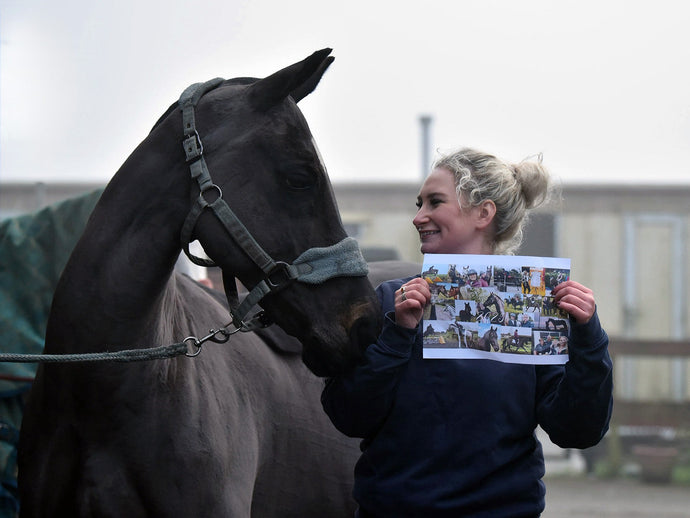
475	281
561	346
456	437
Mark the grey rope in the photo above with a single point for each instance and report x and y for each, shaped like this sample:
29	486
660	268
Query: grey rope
219	336
130	355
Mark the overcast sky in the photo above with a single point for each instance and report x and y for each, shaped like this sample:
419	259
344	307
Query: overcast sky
602	88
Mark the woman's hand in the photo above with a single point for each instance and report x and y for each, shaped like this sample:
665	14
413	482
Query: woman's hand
410	300
576	300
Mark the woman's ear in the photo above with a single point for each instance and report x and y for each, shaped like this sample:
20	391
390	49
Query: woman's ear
484	213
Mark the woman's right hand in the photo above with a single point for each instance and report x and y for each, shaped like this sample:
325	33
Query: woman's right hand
410	301
576	300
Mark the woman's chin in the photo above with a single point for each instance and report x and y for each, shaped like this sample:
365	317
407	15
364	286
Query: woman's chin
431	248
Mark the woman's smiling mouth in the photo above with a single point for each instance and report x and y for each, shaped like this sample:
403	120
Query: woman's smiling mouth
426	233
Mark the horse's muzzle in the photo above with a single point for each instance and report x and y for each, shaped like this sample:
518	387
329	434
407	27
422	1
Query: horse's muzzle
333	353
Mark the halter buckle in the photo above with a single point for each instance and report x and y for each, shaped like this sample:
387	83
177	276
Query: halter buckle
279	275
193	148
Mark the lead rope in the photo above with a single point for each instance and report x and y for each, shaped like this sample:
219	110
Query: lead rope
132	355
190	347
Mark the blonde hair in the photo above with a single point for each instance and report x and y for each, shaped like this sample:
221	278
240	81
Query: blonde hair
514	188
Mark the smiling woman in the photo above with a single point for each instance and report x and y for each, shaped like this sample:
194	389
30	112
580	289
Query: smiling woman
428	424
473	203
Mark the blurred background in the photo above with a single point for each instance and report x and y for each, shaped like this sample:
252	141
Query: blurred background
600	88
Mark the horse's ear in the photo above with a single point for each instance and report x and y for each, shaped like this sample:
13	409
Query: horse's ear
309	85
297	80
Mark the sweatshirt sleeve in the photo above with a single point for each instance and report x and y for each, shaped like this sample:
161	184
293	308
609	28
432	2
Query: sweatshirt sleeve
359	401
574	402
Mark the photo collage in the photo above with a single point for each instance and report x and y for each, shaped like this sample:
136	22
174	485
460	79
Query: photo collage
495	307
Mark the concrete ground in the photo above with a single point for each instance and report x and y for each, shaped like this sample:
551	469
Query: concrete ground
582	497
570	493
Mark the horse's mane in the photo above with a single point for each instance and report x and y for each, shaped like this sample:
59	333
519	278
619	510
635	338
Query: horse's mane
173	106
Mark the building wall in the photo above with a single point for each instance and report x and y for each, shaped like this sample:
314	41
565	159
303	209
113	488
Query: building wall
630	244
383	214
631	247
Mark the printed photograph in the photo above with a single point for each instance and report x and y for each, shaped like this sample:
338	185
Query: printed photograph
496	307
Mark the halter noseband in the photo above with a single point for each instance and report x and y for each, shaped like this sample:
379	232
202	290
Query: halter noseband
314	266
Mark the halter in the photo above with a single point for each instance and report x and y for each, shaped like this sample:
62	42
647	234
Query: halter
314	266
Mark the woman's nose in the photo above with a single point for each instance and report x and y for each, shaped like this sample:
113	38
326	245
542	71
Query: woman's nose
420	217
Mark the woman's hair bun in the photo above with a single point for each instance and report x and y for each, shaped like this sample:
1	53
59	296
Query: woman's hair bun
534	181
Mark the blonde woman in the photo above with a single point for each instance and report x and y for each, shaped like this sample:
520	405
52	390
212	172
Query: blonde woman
448	438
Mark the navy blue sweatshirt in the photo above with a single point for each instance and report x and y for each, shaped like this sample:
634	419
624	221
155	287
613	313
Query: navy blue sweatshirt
449	438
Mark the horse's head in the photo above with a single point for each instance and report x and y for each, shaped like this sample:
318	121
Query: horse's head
263	163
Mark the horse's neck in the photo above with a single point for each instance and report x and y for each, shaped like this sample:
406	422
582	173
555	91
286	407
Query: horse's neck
119	272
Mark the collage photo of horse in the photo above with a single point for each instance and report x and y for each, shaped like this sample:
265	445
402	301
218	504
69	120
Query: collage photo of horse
497	307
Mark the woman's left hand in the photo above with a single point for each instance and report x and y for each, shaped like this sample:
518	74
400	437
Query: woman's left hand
576	300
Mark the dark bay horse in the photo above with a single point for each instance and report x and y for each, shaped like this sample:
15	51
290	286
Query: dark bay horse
499	314
488	341
237	430
556	324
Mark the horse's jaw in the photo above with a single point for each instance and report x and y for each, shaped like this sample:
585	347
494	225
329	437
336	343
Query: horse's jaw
333	335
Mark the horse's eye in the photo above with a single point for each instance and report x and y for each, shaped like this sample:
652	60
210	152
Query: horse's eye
299	181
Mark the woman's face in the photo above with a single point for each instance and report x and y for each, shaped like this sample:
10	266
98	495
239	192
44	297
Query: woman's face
445	228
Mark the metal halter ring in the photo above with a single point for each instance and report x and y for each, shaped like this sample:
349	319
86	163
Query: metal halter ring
202	194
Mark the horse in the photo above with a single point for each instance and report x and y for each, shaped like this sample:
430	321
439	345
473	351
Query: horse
532	303
464	335
499	313
453	274
431	272
549	307
454	292
516	345
235	430
488	341
465	314
556	324
516	302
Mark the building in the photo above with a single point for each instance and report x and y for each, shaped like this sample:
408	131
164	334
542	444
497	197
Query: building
630	244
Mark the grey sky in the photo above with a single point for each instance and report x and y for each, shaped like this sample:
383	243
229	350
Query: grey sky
600	87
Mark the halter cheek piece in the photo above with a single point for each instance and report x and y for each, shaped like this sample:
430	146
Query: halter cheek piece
314	266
